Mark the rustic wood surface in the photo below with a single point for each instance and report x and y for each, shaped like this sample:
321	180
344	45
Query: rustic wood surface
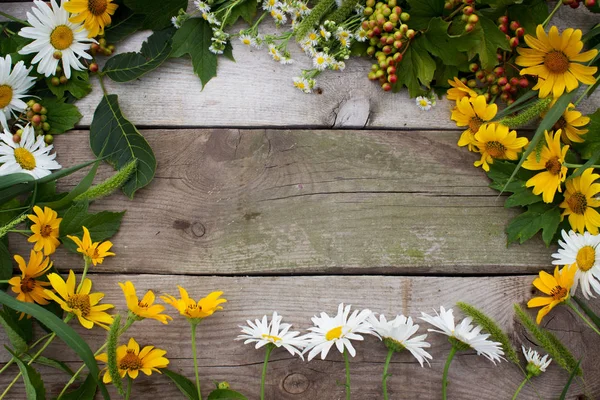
309	212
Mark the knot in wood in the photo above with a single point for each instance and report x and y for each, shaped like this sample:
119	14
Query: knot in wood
295	383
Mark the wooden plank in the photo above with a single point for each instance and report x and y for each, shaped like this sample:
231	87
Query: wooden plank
263	201
257	92
299	298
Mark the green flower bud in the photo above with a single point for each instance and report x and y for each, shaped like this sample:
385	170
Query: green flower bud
110	185
534	111
6	228
223	385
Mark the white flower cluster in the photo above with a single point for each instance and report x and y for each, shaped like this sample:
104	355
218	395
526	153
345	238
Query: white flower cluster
281	11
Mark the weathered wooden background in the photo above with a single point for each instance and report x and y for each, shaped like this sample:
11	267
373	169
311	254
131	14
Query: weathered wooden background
257	196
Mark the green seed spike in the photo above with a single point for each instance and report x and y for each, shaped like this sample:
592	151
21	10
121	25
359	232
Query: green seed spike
6	228
530	113
346	9
111	351
492	328
110	185
313	19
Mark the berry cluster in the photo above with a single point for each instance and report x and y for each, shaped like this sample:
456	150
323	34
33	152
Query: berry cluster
575	3
496	82
388	33
59	77
509	27
468	12
102	48
36	114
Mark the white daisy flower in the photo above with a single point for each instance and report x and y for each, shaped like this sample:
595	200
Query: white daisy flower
247	40
396	334
279	16
303	8
215	48
30	156
175	22
324	32
275	333
302	84
536	364
275	53
423	103
467	335
202	6
286	60
343	33
13	87
320	61
339	330
583	251
361	35
338	65
312	37
55	38
269	5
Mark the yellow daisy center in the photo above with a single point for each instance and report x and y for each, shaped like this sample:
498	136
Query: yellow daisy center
334	333
142	305
271	338
577	203
312	36
27	285
586	257
560	124
558	292
45	231
557	62
246	41
97	7
130	361
80	302
24	158
495	149
474	124
61	37
6	95
423	103
553	166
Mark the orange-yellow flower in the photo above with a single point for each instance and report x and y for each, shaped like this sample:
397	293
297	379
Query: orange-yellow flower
27	287
96	251
45	230
571	124
495	141
192	310
472	112
95	14
580	200
459	90
557	288
144	308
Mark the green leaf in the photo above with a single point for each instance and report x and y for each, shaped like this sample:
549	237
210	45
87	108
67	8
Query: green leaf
417	69
129	66
34	386
6	266
490	40
245	10
194	38
23	326
422	11
87	390
499	3
61	116
157	13
540	216
17	342
450	49
50	362
125	22
588	311
225	394
185	386
565	390
111	134
81	187
79	85
529	14
62	330
102	225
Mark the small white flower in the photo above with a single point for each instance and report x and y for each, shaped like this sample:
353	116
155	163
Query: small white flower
465	333
247	40
303	84
202	6
423	103
583	251
536	364
339	330
343	33
279	16
361	35
286	60
359	9
263	332
320	61
269	5
13	87
55	38
325	34
275	53
303	8
211	18
338	65
397	333
215	49
30	156
312	37
175	22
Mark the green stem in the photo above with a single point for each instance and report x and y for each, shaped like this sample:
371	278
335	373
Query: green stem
569	165
31	347
20	230
347	365
587	321
194	354
558	4
445	375
385	373
521	386
86	266
269	349
580	99
129	385
8	16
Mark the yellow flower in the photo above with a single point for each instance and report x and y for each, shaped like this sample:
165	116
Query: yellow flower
95	14
45	230
146	307
190	309
557	287
472	112
551	160
131	360
27	288
580	200
569	123
96	251
83	304
555	59
494	141
459	90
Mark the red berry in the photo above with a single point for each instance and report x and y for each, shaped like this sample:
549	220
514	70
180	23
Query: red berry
93	67
469	27
590	3
397	57
480	75
523	82
499	57
388	26
503	28
514	81
63	80
472	83
495	89
386	86
36	108
473	67
36	119
503	20
505	96
490	78
514	42
16	138
506	88
499	71
502	81
468	10
473	19
520	32
391	70
392	78
514	25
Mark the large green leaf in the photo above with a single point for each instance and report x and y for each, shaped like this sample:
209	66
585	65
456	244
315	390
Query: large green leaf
61	116
157	13
111	134
529	14
102	225
129	66
63	331
34	386
422	11
490	40
6	266
18	343
81	187
417	68
87	390
539	216
79	85
245	10
50	362
22	326
187	387
194	38
125	22
225	394
449	48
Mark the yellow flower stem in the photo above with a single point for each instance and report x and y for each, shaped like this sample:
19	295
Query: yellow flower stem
385	373
347	365
86	266
587	321
194	354
129	385
521	386
558	4
269	349
580	99
445	375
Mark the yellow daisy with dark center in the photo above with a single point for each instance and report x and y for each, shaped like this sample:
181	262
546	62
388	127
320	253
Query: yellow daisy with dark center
27	287
95	251
144	308
187	307
472	112
95	14
496	141
580	201
45	230
556	287
554	59
571	124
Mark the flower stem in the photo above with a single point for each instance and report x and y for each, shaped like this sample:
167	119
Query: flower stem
445	375
521	386
8	16
558	4
269	349
129	385
194	354
569	165
587	321
86	266
347	364
385	373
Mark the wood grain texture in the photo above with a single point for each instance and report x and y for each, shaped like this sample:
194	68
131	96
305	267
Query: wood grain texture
257	92
265	202
299	298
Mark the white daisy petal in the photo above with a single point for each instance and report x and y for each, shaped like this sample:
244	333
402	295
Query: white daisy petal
28	156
